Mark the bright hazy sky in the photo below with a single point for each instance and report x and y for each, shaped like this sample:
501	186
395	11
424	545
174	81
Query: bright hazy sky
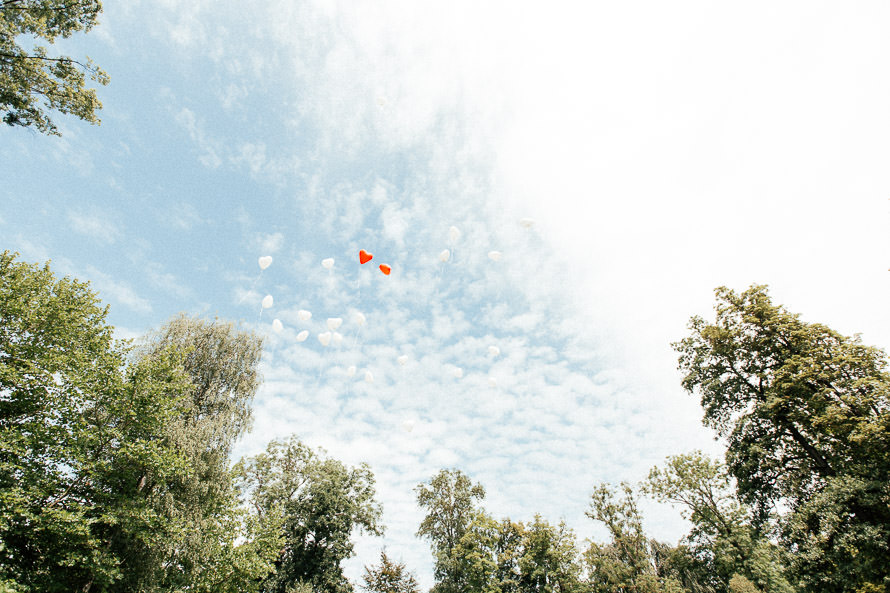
662	149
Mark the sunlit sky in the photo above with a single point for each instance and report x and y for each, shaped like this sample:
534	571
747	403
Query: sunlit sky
660	149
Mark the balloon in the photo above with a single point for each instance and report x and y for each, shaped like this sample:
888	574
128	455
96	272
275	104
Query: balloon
408	425
403	359
527	222
458	373
267	301
265	262
350	370
359	318
328	263
385	269
334	323
364	257
492	381
454	234
324	338
495	255
445	255
304	315
369	377
277	326
301	337
337	338
494	351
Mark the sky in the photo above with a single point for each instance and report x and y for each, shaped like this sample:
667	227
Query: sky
623	159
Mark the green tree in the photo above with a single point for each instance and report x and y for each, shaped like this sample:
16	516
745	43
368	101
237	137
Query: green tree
722	535
629	562
322	502
78	430
31	81
450	501
549	560
806	415
389	577
201	507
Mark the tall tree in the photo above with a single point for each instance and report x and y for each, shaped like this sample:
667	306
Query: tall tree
629	562
322	502
78	432
549	561
31	81
806	415
450	500
202	505
723	536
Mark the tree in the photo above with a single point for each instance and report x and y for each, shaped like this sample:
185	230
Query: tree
723	537
450	501
197	547
389	577
629	561
806	415
322	501
32	82
549	560
78	430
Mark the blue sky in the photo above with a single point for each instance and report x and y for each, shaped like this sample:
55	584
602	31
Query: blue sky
661	151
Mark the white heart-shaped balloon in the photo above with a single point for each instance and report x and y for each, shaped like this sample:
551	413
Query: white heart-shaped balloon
494	351
350	371
277	326
359	318
527	222
301	337
267	301
334	323
324	338
369	377
304	315
454	234
408	425
328	263
403	359
495	255
265	261
458	373
492	381
444	255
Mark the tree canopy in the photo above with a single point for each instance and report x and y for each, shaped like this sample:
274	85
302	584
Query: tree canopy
33	82
805	412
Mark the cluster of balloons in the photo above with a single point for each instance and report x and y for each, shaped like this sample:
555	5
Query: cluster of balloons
335	338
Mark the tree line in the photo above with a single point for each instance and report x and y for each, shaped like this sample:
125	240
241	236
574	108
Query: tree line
116	470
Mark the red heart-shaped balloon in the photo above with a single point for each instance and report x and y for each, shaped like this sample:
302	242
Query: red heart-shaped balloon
385	269
364	257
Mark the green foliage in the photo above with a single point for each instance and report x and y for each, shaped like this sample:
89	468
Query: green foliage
549	559
806	415
630	561
77	431
321	501
196	545
450	502
722	536
31	81
739	584
389	577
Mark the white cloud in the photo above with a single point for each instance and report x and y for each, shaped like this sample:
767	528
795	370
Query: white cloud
114	290
94	225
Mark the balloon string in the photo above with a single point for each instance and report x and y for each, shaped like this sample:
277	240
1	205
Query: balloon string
249	290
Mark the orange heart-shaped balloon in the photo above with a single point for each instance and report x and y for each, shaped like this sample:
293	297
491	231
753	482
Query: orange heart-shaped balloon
385	269
364	257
